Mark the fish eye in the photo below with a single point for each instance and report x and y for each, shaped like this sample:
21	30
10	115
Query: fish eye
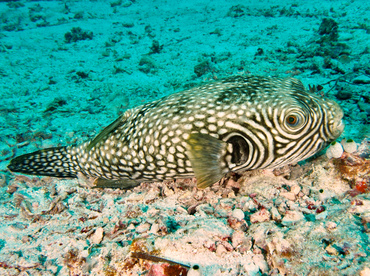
292	120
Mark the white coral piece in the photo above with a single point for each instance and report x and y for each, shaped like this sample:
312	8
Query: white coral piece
349	145
335	150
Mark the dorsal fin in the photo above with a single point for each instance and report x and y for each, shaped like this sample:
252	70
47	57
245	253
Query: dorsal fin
296	85
120	121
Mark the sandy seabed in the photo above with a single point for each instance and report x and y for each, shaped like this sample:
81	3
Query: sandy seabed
69	68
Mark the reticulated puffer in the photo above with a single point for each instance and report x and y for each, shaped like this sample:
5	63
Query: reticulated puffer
232	125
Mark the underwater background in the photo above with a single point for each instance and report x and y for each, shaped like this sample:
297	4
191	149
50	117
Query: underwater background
69	68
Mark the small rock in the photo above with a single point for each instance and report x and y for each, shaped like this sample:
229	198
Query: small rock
152	212
167	191
210	245
204	210
345	36
306	191
142	228
366	224
227	246
237	11
3	180
77	34
237	238
221	213
147	64
322	215
364	107
5	151
97	237
84	254
238	214
154	229
251	267
365	271
261	216
250	206
181	210
360	209
237	224
158	269
220	250
320	209
292	217
331	225
288	195
292	205
325	194
331	250
275	214
295	189
246	245
260	261
128	24
344	95
202	68
329	27
282	208
110	203
127	4
115	3
361	80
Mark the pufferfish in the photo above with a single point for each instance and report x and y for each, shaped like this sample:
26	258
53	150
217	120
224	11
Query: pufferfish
232	125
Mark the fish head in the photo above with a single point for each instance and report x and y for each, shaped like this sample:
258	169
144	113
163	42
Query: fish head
305	123
313	115
288	124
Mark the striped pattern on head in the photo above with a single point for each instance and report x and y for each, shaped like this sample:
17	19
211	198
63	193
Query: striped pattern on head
282	125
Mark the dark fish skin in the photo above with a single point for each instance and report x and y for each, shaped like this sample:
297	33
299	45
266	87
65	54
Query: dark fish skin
235	124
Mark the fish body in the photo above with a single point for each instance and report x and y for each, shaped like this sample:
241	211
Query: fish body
235	124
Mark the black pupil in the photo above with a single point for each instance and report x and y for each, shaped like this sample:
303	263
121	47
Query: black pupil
291	119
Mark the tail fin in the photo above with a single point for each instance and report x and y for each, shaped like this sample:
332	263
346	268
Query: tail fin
59	162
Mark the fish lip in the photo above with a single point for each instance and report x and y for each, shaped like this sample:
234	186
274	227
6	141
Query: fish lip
338	127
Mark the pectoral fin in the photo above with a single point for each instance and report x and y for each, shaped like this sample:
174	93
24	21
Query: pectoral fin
123	184
205	152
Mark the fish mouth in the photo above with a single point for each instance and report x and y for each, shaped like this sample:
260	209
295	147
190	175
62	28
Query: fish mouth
338	128
338	125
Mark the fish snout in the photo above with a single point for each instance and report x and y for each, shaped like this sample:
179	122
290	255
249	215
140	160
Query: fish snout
337	127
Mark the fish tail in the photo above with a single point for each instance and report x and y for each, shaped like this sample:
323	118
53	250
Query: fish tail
58	162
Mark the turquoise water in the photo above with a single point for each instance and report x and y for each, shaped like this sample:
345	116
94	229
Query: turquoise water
69	68
56	90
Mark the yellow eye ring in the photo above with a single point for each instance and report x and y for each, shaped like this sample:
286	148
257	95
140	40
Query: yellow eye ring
292	120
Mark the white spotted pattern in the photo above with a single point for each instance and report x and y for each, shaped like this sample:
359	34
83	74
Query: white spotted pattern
253	115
